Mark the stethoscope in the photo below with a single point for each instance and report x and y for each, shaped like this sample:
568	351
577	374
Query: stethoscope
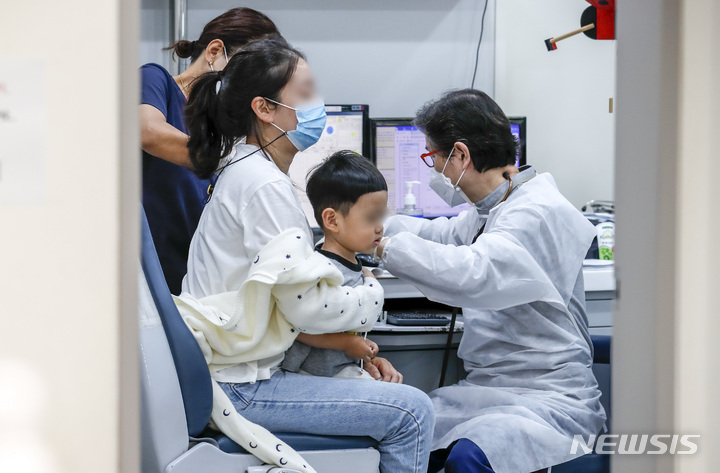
506	175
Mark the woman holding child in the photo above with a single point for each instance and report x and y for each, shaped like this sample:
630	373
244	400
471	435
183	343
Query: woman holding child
267	94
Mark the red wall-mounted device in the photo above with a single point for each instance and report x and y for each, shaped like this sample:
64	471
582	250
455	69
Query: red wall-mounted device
602	15
597	22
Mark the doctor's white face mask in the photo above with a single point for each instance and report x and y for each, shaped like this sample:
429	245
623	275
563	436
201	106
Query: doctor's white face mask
443	186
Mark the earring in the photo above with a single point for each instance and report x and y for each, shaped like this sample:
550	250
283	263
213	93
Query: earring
211	67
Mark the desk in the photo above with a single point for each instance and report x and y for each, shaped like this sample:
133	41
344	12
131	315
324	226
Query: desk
417	352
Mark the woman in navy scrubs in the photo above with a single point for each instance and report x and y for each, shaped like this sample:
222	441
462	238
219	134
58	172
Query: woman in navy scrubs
173	196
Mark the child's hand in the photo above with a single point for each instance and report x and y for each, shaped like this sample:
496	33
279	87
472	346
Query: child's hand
361	349
380	368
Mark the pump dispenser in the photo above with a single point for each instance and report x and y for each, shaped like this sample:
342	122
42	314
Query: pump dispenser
409	202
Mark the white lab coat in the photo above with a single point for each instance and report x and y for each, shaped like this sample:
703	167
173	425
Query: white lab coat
526	346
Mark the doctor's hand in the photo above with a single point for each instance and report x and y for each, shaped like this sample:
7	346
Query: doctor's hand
367	273
386	369
381	247
361	349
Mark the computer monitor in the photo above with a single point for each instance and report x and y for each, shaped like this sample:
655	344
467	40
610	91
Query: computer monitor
347	127
518	126
398	146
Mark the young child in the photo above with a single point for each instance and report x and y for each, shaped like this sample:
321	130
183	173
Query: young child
349	198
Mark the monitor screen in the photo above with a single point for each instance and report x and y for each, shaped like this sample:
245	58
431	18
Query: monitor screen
518	127
398	146
346	128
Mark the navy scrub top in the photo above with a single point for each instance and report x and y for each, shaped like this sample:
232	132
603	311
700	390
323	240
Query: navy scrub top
173	196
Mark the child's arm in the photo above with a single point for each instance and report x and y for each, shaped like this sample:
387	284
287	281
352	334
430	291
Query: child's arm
354	346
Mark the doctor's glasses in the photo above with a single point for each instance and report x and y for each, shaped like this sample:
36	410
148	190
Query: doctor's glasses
429	158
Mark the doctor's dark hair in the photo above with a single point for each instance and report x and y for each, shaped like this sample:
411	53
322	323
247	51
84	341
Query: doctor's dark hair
219	111
471	117
340	180
236	28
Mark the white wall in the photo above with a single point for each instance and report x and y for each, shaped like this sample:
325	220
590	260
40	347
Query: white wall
666	324
644	332
393	55
564	93
68	260
155	19
696	327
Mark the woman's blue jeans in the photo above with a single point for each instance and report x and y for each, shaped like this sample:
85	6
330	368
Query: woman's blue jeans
399	417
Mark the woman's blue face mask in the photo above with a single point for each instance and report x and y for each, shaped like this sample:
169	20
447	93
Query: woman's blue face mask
311	117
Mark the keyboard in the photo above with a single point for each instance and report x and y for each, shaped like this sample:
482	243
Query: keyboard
417	319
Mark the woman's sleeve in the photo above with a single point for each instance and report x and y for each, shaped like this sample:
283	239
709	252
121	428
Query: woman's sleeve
313	308
458	230
271	210
330	308
154	84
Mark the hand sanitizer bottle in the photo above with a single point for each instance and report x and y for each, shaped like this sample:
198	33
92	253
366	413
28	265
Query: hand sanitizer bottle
409	202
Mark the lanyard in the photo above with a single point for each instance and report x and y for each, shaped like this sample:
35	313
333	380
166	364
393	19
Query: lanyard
211	187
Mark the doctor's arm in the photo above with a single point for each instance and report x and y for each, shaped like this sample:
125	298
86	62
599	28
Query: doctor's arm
494	273
458	230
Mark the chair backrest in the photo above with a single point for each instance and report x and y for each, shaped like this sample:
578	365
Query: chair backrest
192	371
601	343
603	371
164	434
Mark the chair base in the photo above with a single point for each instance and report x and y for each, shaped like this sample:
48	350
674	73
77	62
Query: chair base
304	442
208	458
590	463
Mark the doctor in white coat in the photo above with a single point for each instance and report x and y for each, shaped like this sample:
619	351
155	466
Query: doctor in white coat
514	264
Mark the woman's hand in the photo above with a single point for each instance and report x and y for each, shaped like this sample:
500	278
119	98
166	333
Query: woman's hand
361	349
385	369
367	273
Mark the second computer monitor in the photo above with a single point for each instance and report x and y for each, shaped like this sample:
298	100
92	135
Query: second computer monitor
347	127
518	127
398	146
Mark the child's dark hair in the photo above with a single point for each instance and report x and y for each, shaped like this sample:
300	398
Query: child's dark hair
340	180
235	27
219	111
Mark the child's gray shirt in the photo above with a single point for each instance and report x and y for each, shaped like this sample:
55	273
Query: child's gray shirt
322	361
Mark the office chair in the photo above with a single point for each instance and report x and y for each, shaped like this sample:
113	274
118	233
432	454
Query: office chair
595	462
176	398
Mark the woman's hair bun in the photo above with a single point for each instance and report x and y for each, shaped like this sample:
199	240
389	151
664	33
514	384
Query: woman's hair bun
183	48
